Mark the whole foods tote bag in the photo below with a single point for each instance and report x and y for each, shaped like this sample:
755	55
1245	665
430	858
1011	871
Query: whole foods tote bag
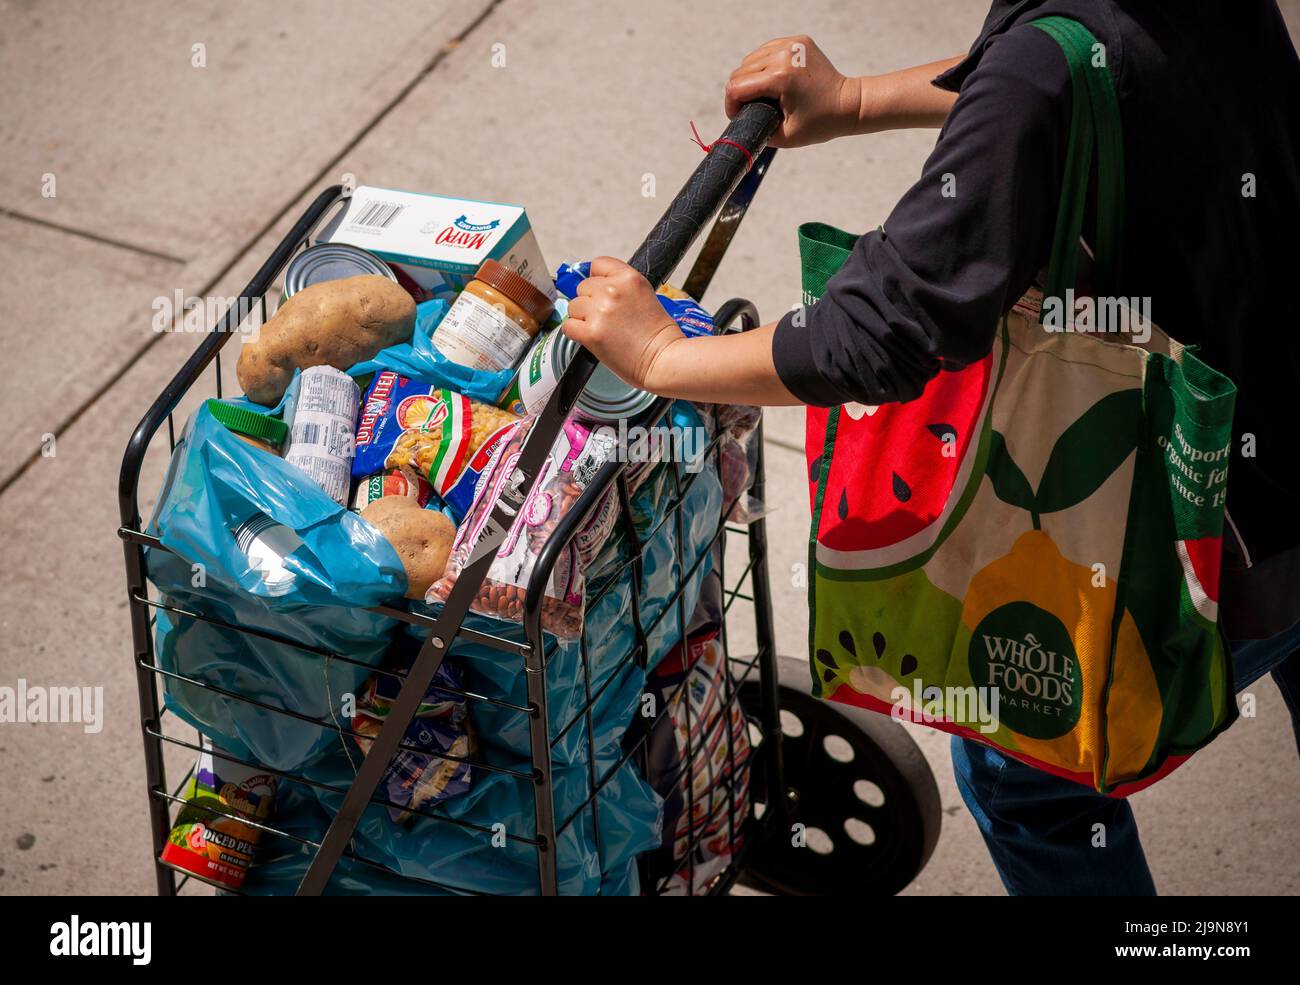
1028	553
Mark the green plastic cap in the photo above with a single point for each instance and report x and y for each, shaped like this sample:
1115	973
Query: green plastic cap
272	430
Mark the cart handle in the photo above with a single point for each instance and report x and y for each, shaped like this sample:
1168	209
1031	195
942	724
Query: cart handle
690	210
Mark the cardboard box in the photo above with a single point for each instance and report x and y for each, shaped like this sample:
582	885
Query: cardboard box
439	242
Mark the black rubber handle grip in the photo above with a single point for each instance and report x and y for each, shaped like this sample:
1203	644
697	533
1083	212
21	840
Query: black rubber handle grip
706	190
686	216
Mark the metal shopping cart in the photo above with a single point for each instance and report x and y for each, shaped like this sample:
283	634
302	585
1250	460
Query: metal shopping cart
839	800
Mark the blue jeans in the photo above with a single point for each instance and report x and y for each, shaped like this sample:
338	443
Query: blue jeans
1039	828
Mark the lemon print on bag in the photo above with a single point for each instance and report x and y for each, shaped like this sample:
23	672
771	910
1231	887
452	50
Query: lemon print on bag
1039	631
1038	627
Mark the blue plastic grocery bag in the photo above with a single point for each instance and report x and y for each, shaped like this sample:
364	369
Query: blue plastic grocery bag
419	360
481	841
255	543
456	853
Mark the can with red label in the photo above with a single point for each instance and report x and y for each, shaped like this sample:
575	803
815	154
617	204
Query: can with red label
394	482
211	839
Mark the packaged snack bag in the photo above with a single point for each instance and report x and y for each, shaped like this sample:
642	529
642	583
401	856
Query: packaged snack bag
422	427
707	800
417	779
577	455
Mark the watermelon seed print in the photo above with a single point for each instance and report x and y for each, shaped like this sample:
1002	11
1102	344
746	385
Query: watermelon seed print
860	676
902	491
894	500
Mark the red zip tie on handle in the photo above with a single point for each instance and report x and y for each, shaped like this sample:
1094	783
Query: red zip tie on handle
721	140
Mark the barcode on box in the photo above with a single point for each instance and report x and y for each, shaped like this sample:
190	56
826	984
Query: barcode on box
378	215
306	434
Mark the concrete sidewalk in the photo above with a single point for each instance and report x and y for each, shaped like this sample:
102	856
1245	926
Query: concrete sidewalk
169	175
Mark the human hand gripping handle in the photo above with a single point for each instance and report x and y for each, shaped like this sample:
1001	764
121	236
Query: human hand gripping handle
616	315
617	318
818	103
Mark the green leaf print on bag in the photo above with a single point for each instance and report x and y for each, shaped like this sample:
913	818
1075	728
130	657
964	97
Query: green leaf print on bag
1090	450
1009	483
1085	455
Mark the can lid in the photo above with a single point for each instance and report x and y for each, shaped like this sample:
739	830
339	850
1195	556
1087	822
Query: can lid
331	261
272	430
517	288
607	398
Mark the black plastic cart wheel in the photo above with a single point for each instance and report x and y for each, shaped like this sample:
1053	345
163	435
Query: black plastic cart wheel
861	790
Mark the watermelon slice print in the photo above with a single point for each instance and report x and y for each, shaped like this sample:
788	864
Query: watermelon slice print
900	473
1200	561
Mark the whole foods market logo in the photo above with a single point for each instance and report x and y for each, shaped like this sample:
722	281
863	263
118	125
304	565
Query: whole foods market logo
1027	653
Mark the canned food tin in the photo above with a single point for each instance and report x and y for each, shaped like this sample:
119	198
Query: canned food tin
331	261
210	840
605	398
393	482
539	372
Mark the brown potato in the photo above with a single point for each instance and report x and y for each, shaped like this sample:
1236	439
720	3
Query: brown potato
422	538
336	323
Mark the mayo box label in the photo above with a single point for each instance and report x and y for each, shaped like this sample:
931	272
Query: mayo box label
439	242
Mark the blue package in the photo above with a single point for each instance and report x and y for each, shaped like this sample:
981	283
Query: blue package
251	541
410	424
692	319
459	497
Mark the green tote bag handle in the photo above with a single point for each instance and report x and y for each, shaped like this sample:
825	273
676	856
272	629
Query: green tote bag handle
1094	121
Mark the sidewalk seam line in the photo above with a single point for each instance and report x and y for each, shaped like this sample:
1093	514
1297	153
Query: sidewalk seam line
443	51
119	244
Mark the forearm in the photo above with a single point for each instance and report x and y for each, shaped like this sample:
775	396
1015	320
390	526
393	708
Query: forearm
736	368
904	99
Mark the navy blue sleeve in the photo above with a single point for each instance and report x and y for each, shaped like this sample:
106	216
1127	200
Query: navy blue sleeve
927	291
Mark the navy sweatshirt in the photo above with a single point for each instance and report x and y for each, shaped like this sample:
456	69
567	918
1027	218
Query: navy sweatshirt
1209	94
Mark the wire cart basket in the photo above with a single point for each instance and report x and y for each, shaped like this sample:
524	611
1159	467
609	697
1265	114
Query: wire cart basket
811	767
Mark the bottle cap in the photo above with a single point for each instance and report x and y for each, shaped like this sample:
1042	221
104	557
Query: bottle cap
272	430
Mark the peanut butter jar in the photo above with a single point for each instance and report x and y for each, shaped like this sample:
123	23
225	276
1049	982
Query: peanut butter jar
493	321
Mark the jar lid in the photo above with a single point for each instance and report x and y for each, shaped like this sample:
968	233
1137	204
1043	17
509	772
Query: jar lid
272	430
518	289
